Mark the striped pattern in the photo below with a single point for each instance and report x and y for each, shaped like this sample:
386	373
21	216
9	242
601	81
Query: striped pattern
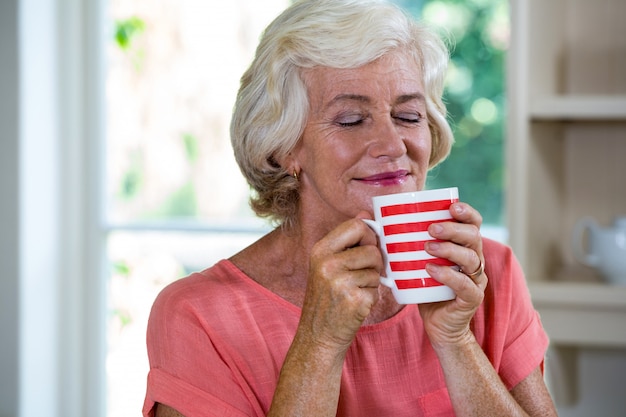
405	227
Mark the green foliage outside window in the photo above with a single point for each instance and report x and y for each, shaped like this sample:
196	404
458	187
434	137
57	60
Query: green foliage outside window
126	33
126	30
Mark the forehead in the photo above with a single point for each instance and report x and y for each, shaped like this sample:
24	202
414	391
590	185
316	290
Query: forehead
388	77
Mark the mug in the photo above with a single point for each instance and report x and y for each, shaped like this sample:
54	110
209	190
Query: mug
401	223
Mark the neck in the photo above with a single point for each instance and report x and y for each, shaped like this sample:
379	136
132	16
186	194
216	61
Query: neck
285	267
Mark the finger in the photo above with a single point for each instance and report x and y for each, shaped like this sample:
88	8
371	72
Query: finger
463	235
364	258
364	215
465	257
468	293
347	235
476	274
351	283
464	213
332	259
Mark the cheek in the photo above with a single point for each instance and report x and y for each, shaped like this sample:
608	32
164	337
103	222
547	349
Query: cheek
330	156
329	165
345	153
420	148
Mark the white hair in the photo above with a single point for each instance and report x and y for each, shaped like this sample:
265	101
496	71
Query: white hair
272	104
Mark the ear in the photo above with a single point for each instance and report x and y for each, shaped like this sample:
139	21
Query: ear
289	163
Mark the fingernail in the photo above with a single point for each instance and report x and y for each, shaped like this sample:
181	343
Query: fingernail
458	208
437	229
433	245
432	269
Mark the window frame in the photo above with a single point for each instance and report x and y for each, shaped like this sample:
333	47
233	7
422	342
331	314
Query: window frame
82	281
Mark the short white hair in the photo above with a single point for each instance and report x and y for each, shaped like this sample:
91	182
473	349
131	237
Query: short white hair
272	105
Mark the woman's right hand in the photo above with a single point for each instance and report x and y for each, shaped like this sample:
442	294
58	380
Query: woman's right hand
342	288
343	281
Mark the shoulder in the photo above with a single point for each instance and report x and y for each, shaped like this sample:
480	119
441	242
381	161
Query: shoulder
191	312
219	300
500	261
194	287
496	251
194	297
507	287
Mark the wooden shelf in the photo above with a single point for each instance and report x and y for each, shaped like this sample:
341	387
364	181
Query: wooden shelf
582	314
579	107
566	143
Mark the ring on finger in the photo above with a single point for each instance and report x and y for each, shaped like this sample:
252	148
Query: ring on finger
477	273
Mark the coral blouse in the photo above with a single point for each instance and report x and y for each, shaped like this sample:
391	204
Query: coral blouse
217	340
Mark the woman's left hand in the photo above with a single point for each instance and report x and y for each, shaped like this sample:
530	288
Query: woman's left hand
448	322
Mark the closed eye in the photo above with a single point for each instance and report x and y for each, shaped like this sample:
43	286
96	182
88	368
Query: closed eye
350	120
350	124
409	118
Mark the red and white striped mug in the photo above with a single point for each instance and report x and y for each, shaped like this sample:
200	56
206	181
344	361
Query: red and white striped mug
401	223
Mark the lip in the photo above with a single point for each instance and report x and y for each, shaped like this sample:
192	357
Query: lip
387	178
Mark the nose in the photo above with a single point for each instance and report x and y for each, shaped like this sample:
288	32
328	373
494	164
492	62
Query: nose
387	141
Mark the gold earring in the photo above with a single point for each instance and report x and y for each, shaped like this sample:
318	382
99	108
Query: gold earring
295	174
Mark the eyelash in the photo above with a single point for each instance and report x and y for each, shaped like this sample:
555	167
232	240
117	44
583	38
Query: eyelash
417	120
350	124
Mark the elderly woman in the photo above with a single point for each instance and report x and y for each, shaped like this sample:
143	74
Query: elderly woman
342	103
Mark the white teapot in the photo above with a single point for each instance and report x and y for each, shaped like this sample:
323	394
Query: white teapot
606	247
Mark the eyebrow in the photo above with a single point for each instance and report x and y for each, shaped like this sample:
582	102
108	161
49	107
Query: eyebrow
404	98
348	97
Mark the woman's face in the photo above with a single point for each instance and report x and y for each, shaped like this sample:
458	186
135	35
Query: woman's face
367	134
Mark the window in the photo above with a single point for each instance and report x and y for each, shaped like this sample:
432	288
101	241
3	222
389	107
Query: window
175	201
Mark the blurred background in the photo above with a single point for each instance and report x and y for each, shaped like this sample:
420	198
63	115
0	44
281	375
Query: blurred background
118	178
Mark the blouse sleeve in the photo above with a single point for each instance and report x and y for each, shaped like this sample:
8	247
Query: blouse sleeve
513	336
187	372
